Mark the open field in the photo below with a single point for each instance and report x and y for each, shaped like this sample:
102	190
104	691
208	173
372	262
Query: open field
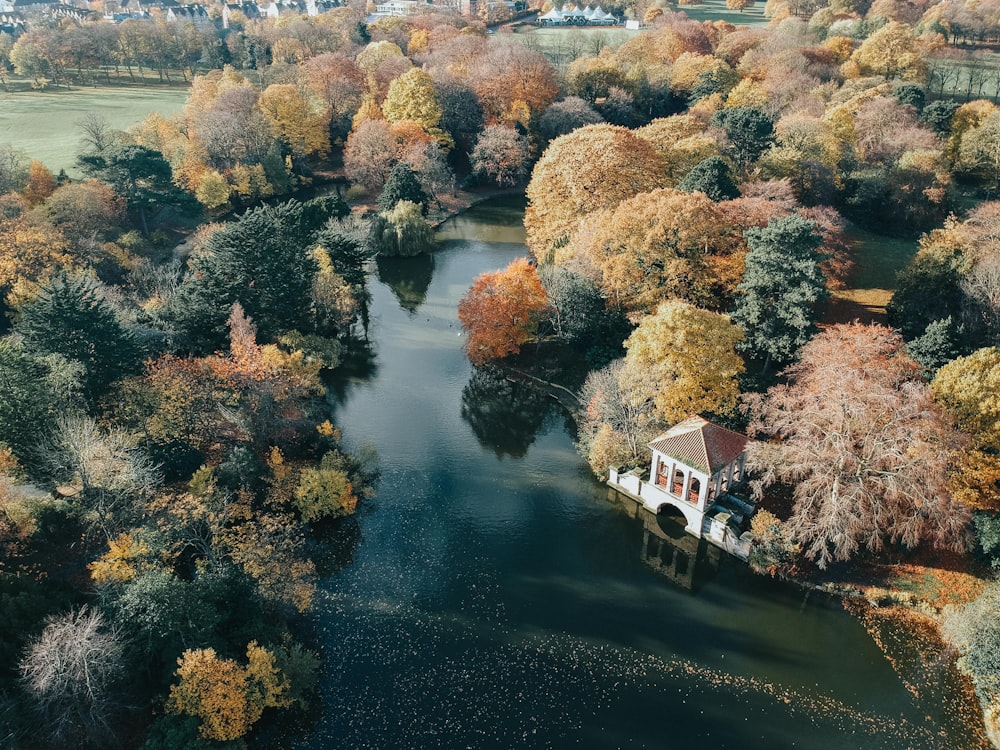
716	10
877	260
562	44
43	123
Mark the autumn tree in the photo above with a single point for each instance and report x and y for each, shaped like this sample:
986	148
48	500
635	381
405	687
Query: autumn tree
968	388
659	245
298	120
412	97
501	155
691	356
370	153
893	52
781	289
501	311
857	436
40	185
85	212
325	491
594	167
29	251
513	82
227	697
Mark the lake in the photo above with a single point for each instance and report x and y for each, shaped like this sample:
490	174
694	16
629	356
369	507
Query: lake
496	598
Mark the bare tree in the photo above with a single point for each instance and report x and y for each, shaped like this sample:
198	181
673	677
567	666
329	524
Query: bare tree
14	165
114	477
97	133
619	399
982	288
69	671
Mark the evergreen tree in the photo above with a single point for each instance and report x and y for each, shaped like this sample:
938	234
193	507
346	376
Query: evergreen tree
70	316
140	175
939	344
711	177
938	115
402	185
782	285
750	132
25	401
261	261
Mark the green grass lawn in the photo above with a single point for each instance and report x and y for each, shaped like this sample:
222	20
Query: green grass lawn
43	123
716	10
877	260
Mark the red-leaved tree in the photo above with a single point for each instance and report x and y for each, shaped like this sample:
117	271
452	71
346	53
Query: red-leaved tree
501	311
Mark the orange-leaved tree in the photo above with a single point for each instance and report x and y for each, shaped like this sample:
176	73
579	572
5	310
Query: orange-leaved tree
501	311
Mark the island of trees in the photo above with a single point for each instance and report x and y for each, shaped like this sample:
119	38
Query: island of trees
170	487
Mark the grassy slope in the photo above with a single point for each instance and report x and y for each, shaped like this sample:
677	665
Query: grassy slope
43	123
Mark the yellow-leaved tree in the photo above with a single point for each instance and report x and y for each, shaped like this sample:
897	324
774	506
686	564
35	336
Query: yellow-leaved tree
300	121
227	697
969	389
411	96
893	51
594	167
691	356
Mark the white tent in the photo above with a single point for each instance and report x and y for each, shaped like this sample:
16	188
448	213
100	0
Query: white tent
600	17
554	16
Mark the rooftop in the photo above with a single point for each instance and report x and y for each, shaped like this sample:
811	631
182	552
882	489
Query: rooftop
700	444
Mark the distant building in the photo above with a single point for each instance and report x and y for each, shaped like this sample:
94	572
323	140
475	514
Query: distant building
12	22
193	13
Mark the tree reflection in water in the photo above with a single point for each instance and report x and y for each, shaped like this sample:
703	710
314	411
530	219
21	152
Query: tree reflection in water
505	415
408	278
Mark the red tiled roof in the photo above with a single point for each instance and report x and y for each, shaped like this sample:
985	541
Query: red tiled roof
700	444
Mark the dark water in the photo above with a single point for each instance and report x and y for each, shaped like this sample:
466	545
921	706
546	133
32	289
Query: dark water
497	599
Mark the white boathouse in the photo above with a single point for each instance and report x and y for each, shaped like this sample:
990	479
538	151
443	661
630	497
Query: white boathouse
695	467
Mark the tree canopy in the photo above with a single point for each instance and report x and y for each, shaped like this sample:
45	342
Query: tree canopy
866	452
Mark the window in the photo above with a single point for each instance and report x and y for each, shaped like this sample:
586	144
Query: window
678	487
694	490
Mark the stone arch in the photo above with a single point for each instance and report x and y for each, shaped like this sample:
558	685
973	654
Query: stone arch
691	515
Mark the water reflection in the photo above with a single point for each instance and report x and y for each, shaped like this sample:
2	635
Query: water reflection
667	549
359	365
504	415
674	554
338	542
408	278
